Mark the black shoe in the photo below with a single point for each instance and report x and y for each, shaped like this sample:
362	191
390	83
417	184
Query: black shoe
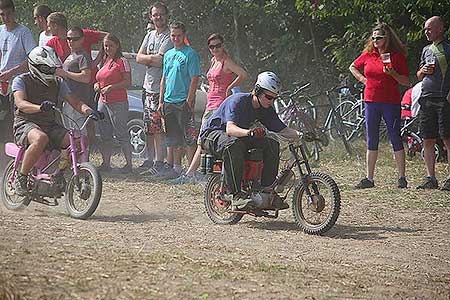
365	184
428	183
402	183
21	185
446	185
147	164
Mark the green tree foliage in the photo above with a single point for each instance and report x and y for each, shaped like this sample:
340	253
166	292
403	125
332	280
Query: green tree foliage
302	40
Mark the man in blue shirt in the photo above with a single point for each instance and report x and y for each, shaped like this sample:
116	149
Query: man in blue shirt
181	71
228	134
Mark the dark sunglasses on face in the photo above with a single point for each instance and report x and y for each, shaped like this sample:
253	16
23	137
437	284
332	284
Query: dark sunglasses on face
270	98
377	38
216	46
73	38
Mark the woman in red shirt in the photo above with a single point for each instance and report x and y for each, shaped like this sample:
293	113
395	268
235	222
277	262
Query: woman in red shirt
382	68
113	78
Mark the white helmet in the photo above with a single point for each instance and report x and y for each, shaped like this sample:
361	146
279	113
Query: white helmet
269	81
42	62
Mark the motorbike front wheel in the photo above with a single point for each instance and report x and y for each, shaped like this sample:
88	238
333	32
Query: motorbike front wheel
217	209
83	192
8	191
317	213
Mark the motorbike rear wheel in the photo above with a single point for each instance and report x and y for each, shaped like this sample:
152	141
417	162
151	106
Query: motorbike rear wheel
318	213
8	192
83	192
218	210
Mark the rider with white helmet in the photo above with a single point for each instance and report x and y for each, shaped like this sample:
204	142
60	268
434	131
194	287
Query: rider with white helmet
231	131
35	95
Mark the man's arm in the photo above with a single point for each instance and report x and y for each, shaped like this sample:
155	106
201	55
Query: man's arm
150	60
191	93
84	76
78	105
162	89
290	133
24	105
8	74
233	130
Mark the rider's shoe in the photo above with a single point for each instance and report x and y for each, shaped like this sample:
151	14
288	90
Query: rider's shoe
241	201
21	185
428	183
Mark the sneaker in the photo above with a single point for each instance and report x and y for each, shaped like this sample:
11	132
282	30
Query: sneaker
446	185
21	185
365	184
428	183
147	164
402	183
183	179
242	202
156	169
170	174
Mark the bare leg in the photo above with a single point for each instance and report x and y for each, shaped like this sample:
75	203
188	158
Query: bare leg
195	163
106	154
158	149
150	147
400	162
37	141
371	159
429	156
447	145
190	152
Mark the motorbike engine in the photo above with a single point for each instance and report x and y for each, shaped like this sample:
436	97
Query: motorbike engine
53	188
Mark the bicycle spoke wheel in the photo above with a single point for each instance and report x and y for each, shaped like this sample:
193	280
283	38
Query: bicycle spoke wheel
8	192
304	123
317	213
83	192
217	209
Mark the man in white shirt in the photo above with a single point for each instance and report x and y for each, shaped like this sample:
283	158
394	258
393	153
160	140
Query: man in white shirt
40	14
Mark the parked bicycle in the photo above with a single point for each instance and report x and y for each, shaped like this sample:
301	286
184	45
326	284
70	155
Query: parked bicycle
51	178
316	199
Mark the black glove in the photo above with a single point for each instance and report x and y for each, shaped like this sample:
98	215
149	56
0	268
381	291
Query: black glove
96	115
257	132
47	105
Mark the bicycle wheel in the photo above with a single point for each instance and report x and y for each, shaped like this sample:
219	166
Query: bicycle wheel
217	209
83	192
317	213
8	193
348	115
308	107
302	122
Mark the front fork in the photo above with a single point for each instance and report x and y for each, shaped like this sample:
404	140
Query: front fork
304	177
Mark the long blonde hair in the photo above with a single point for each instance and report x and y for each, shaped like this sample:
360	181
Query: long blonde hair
393	43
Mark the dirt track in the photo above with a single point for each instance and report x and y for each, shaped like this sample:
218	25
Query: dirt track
154	241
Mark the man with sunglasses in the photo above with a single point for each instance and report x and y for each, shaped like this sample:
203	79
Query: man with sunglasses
229	134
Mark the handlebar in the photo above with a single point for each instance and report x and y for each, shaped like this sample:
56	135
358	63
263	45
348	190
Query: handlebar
89	117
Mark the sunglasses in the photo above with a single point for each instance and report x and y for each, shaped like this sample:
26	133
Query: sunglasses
216	46
377	38
270	98
73	38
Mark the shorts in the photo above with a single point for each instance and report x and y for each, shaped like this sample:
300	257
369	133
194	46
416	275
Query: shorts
153	123
55	133
205	117
434	118
114	123
179	124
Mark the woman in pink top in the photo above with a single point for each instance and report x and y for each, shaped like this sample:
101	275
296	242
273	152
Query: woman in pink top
113	79
223	75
